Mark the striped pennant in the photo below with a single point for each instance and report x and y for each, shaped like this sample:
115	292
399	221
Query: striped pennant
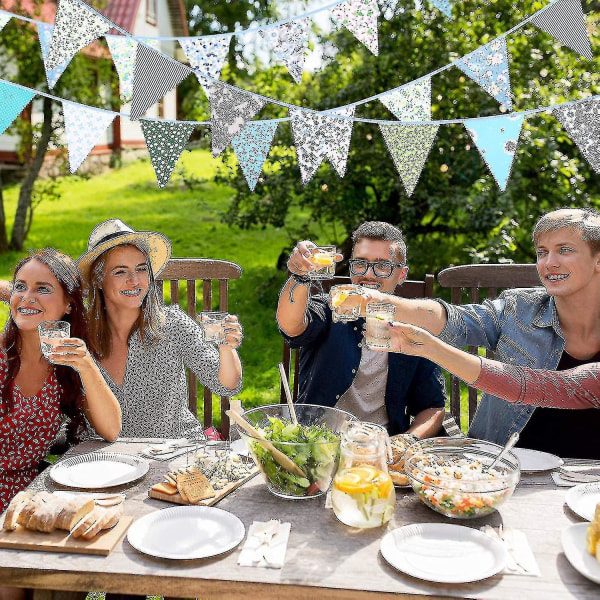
154	76
565	21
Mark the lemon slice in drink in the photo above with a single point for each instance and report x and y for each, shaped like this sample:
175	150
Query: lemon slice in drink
363	479
322	259
339	298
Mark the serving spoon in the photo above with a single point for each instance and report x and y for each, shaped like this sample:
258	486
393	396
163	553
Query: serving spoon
512	440
288	394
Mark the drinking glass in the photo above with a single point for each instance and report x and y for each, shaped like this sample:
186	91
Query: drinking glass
323	258
337	295
377	334
214	326
51	333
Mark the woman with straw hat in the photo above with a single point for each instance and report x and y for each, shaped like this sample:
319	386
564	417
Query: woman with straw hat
143	346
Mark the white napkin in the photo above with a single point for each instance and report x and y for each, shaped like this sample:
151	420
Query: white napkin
562	482
265	545
167	449
521	560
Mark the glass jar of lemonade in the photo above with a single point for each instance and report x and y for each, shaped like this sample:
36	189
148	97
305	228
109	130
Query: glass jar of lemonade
363	493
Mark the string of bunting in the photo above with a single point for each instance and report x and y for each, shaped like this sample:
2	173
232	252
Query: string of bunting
317	135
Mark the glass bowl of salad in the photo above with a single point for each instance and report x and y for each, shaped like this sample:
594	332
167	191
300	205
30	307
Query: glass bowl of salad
452	477
313	445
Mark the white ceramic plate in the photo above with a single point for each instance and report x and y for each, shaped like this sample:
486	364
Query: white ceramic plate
99	470
575	549
534	460
186	532
582	499
444	553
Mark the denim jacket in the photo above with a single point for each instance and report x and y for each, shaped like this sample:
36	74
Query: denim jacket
329	359
521	326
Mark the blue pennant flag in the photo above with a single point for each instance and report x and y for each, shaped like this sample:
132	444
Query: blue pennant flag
444	6
496	139
488	67
45	35
251	146
13	100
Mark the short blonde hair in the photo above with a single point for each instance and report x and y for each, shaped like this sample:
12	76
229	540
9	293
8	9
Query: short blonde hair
586	220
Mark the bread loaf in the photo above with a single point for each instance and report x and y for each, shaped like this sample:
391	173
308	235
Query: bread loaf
87	522
99	519
14	510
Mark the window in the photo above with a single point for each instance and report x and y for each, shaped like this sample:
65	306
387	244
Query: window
151	12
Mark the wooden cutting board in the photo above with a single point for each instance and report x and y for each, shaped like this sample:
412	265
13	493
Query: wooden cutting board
177	499
60	541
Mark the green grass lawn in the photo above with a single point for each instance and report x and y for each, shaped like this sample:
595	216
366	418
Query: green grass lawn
192	221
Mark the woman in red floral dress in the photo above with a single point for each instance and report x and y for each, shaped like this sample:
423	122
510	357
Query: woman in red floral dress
35	394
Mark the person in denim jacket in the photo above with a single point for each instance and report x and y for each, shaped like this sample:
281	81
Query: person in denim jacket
553	328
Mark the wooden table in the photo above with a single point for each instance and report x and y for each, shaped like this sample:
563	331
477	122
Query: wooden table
325	559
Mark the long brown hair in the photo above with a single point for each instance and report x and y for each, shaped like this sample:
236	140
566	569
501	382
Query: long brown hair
64	269
149	322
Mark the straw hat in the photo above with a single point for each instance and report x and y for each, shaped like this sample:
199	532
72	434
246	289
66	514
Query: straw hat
114	232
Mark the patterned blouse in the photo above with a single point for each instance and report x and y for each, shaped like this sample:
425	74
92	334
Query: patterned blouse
573	388
153	395
26	433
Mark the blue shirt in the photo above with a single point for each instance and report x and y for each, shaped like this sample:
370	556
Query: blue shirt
521	326
329	359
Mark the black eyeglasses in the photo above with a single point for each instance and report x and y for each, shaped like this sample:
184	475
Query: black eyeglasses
381	268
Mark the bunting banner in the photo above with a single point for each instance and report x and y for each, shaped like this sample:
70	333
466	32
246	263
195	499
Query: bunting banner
340	132
123	51
411	102
13	100
83	128
497	139
565	21
409	146
154	76
165	141
206	56
230	109
76	26
581	121
251	146
45	36
289	43
4	19
359	17
444	6
488	67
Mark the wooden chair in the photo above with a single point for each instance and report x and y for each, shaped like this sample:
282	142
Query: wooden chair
209	272
409	289
472	279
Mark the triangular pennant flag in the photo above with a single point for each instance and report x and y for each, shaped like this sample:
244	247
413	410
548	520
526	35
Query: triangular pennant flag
206	56
251	146
444	6
154	76
497	139
165	141
339	132
581	121
411	102
230	109
83	127
45	35
4	19
13	100
565	21
123	50
289	42
360	18
75	27
409	146
488	67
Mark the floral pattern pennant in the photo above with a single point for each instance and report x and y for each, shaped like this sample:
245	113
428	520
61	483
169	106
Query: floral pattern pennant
13	100
289	42
338	133
411	102
4	19
251	146
409	146
76	26
45	36
488	67
206	56
360	18
165	141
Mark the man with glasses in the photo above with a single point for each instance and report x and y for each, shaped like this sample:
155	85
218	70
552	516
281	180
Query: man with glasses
336	368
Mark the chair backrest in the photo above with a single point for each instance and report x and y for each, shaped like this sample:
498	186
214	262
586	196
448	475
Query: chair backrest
213	276
472	279
290	358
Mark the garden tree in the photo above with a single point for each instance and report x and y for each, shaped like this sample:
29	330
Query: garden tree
457	213
22	63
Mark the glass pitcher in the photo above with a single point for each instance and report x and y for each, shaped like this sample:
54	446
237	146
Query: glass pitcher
363	493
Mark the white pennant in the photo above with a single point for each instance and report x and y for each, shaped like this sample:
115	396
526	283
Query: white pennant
83	128
411	102
289	42
360	18
206	56
75	27
4	19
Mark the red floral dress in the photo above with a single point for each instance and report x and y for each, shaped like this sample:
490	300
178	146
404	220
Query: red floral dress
26	434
